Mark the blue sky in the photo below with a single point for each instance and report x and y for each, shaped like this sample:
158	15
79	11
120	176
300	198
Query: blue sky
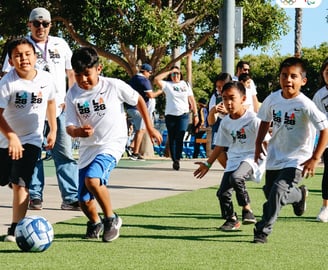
314	30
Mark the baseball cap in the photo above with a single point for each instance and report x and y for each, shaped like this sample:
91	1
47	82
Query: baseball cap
39	14
146	67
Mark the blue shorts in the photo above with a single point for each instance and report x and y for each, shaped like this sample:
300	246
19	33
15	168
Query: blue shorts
99	168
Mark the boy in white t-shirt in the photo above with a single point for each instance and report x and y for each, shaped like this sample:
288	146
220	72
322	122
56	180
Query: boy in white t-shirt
237	131
294	119
27	95
95	114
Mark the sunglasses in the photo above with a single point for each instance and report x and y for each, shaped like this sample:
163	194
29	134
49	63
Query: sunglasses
175	74
38	24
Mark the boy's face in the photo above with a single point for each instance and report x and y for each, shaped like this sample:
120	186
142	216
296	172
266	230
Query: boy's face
88	79
291	81
325	75
233	101
23	58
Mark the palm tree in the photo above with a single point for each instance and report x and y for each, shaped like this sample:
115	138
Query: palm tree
298	32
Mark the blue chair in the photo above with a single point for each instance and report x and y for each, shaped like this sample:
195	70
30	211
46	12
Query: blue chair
160	149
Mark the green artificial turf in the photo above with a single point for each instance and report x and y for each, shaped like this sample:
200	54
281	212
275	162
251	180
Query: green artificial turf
180	232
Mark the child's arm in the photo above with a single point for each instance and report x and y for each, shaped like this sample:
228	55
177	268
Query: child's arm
153	132
205	166
310	164
82	132
15	148
262	132
51	116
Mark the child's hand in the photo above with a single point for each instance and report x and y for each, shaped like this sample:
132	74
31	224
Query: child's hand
86	131
155	136
201	171
309	167
15	148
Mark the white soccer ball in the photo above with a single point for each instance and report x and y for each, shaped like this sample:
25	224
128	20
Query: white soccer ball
34	233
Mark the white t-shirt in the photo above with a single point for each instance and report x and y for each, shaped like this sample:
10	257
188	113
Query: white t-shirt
102	108
55	57
176	95
239	135
294	124
25	104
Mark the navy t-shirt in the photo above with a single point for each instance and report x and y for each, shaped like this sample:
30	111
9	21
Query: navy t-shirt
141	84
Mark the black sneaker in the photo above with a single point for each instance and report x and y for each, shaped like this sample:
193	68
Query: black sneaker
93	230
128	151
137	157
111	228
248	217
260	237
35	204
300	207
10	237
231	224
176	165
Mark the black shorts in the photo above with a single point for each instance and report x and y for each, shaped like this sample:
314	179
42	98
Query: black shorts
20	171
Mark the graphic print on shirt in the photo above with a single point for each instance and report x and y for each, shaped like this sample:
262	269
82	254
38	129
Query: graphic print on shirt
276	118
239	135
289	120
180	89
98	107
21	99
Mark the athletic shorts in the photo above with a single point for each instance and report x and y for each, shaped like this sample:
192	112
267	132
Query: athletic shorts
20	171
99	168
137	120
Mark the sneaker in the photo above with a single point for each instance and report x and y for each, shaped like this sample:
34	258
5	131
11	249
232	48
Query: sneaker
128	151
10	237
323	214
70	206
300	207
260	237
111	228
137	157
248	217
35	204
93	230
176	165
231	224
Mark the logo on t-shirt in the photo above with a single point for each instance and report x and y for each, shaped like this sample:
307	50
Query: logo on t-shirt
84	109
289	121
238	135
21	100
99	106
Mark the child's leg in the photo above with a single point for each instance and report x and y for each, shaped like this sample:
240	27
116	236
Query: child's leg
20	202
102	196
284	191
224	195
237	181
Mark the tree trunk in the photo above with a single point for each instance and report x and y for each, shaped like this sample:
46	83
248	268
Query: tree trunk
298	32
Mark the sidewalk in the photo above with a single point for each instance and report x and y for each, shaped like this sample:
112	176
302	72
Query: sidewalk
132	182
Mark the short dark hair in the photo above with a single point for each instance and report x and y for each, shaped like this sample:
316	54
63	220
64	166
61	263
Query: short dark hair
322	69
244	77
234	84
241	64
294	61
13	43
83	58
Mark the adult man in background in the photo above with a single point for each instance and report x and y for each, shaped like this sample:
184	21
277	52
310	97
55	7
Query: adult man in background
141	83
54	56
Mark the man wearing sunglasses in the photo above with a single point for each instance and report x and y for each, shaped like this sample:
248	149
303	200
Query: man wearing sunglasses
54	56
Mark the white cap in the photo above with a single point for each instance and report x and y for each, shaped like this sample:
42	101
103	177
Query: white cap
40	14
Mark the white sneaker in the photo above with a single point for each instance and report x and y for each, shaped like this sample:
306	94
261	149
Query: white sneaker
323	215
10	238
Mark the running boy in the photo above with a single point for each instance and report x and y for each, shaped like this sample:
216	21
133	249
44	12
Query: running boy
27	95
95	113
291	156
237	131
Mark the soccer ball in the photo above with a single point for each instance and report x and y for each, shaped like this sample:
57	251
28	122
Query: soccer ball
34	233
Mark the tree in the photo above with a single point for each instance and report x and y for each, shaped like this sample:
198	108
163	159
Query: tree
128	32
298	32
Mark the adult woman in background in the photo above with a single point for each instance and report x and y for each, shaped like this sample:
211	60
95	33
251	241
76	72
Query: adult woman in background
179	100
